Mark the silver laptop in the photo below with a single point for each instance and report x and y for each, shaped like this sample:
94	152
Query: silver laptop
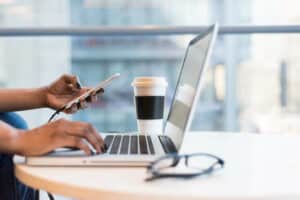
132	149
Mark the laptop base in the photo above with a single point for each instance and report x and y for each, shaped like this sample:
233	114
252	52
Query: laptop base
129	150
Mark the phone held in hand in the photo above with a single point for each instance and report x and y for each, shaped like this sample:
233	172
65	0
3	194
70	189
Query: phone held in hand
96	89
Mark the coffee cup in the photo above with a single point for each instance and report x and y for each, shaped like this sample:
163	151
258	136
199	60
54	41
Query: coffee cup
149	100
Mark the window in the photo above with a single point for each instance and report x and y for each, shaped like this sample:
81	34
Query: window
251	82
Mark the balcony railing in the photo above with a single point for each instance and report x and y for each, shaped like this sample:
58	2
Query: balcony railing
230	101
144	30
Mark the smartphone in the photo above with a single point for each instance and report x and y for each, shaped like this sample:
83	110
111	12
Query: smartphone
96	89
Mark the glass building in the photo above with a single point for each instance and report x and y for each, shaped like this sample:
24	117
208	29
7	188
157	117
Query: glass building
94	58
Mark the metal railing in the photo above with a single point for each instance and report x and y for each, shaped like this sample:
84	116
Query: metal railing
143	30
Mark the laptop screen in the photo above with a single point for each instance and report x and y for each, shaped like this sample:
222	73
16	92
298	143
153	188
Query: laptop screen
187	88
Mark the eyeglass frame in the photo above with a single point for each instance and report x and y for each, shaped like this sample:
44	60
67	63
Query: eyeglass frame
176	159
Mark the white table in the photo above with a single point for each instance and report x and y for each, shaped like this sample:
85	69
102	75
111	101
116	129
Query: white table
257	167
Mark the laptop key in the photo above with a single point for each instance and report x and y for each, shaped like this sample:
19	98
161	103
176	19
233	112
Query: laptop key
143	144
108	140
134	145
115	145
125	145
150	144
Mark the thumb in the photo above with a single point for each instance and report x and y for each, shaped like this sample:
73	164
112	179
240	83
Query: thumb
72	81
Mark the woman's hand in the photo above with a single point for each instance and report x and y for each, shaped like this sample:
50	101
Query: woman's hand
59	133
65	89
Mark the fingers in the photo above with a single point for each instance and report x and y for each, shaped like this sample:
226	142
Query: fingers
76	106
72	83
84	90
77	135
91	99
101	90
76	142
89	133
99	139
98	92
94	96
72	80
72	88
72	109
82	104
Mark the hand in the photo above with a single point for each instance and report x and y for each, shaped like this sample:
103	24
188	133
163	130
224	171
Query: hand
64	90
57	134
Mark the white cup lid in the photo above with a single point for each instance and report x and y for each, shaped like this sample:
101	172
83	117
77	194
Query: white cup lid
149	81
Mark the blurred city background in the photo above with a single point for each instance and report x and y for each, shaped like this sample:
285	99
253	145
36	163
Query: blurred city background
251	85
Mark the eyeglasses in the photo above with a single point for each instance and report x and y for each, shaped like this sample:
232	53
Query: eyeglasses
196	164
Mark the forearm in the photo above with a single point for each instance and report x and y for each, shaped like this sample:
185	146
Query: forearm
8	139
21	99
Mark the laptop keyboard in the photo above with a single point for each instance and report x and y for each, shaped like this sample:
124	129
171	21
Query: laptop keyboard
129	144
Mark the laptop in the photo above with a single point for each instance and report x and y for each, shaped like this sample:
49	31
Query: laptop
134	149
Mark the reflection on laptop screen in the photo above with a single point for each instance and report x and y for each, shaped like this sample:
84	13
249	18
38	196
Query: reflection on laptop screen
191	72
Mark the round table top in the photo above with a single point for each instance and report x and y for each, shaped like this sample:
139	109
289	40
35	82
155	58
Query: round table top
258	166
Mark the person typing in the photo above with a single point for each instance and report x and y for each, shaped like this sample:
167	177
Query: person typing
15	139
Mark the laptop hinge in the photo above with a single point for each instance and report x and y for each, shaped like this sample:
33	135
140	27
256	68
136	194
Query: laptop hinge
167	144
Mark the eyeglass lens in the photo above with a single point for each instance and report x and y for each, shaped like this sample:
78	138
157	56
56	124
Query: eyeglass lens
186	163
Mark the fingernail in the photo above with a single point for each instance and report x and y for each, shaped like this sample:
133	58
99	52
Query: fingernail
103	149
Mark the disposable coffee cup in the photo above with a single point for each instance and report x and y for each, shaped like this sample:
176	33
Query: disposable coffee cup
149	100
